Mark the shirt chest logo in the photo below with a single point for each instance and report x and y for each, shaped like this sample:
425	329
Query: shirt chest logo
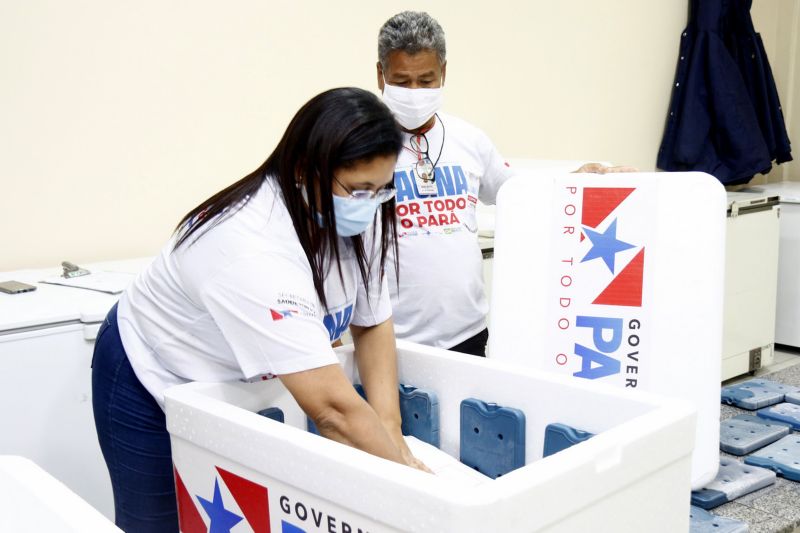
451	207
337	322
450	180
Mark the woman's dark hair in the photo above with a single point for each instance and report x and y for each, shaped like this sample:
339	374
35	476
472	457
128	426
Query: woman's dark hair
336	129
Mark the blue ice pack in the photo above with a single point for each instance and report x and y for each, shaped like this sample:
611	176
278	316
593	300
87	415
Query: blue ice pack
492	437
788	413
755	393
275	413
792	397
782	457
743	434
419	409
559	437
701	521
733	480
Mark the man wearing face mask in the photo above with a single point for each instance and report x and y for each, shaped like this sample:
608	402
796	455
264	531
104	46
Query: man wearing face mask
445	166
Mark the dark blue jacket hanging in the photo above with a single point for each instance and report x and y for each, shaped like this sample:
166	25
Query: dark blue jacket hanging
747	49
713	125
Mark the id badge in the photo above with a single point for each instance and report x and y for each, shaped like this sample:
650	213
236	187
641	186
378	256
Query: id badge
424	177
425	187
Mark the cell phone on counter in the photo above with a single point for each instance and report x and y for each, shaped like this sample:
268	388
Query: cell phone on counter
15	287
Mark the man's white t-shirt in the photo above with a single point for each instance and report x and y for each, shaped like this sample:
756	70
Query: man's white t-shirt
440	300
239	303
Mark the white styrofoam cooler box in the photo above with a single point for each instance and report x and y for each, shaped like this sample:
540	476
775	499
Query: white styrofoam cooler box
632	476
33	501
527	167
616	278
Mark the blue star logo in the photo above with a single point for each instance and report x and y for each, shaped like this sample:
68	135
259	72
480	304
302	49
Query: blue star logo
222	520
605	245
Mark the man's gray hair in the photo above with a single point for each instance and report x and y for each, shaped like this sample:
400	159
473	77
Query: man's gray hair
411	32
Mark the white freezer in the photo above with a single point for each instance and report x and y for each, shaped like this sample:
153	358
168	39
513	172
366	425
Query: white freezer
787	314
751	277
46	343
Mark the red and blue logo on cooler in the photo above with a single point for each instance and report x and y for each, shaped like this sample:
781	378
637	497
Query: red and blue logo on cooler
625	288
233	504
252	499
601	254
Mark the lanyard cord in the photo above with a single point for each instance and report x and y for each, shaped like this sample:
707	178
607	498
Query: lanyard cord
418	151
441	148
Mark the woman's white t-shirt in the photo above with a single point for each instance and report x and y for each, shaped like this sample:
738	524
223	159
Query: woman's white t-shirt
238	303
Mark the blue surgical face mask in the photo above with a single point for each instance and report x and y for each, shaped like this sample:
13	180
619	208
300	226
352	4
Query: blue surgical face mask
353	216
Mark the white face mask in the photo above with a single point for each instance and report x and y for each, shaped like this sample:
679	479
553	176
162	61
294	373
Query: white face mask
412	107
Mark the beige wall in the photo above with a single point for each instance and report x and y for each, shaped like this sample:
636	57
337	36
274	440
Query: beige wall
778	22
117	117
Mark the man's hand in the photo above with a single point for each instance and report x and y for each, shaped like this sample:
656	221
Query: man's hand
599	168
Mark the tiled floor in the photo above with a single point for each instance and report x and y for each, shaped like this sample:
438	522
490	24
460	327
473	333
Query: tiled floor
775	508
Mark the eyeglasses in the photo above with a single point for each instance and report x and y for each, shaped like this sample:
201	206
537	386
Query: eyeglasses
424	167
382	195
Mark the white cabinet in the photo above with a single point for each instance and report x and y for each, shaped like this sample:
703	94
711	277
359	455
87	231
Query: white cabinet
46	408
751	277
46	344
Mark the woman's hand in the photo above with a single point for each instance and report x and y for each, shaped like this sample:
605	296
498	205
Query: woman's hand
377	366
326	395
396	435
413	462
599	168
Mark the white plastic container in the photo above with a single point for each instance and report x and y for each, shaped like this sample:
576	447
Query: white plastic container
634	475
616	278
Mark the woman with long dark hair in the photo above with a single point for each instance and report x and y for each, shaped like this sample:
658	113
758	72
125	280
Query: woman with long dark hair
257	282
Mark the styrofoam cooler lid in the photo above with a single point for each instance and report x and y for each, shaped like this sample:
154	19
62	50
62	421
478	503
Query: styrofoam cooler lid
530	167
33	500
618	279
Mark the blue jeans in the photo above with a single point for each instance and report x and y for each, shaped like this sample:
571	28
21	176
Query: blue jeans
132	431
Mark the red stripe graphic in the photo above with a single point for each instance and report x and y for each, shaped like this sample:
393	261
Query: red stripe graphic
599	202
189	519
252	498
626	288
